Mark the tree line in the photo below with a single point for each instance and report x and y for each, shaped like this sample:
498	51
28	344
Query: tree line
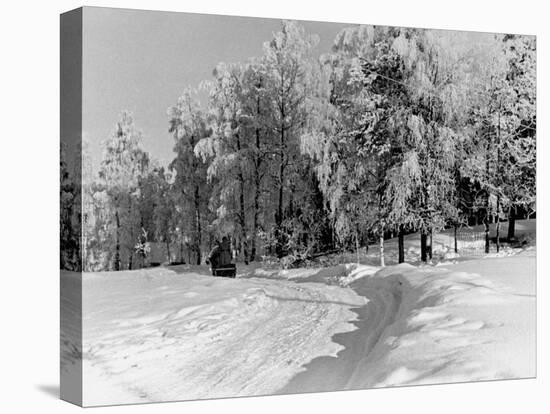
395	130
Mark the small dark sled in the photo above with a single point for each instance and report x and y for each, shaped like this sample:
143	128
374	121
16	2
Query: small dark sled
229	270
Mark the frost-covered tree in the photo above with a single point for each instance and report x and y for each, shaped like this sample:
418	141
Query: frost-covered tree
227	151
288	65
388	132
97	242
122	166
255	110
503	148
151	187
518	140
163	208
70	220
336	139
188	124
438	92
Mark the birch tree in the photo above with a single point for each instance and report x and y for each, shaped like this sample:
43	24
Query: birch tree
287	58
188	125
226	150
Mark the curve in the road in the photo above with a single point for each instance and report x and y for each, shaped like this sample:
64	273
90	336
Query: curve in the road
350	368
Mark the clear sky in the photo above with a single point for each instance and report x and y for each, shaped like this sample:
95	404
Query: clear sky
141	61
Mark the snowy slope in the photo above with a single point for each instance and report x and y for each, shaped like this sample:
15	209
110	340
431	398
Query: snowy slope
467	321
178	333
158	335
464	321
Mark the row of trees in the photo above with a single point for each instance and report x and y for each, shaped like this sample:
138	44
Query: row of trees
426	130
395	130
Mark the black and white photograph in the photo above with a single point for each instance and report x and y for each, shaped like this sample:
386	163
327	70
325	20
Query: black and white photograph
261	206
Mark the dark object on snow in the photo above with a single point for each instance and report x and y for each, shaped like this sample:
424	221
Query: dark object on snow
229	270
220	260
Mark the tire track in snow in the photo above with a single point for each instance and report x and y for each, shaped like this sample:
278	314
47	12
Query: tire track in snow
280	342
387	299
250	342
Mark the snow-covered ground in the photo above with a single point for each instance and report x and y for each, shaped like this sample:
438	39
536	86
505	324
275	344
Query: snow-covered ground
177	333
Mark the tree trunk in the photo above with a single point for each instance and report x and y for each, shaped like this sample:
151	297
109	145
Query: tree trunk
498	224
242	217
132	238
198	240
423	246
487	177
499	181
357	246
430	247
168	250
257	179
279	213
487	241
382	250
456	238
498	234
511	224
401	245
486	223
117	243
256	217
279	225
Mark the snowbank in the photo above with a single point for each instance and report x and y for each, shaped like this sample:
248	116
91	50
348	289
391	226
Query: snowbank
469	321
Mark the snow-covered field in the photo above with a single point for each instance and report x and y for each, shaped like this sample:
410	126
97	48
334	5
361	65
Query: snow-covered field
177	333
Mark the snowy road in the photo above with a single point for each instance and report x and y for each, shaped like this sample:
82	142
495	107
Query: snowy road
337	373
